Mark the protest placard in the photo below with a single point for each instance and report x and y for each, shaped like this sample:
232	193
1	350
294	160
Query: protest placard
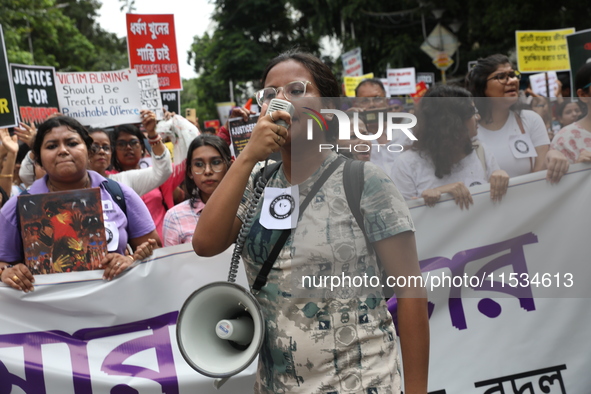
34	89
352	82
542	50
539	85
150	94
240	132
579	53
171	101
151	43
100	99
352	63
401	81
428	78
8	113
215	123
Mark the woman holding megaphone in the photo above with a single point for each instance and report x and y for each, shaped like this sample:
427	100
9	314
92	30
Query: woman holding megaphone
320	337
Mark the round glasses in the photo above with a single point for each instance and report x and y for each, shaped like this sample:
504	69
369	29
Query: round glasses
216	165
95	148
122	145
291	91
503	78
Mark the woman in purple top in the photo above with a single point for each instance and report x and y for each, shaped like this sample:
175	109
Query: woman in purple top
61	148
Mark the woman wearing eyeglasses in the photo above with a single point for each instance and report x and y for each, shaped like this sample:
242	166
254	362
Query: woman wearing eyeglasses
142	180
61	147
208	159
128	141
318	340
517	139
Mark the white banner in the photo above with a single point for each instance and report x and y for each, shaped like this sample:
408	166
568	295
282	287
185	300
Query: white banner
76	334
526	334
99	99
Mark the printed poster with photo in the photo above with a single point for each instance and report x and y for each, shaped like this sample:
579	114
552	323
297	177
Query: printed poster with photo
62	231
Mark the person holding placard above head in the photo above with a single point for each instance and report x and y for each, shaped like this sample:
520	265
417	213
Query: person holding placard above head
61	147
518	139
574	140
316	337
129	150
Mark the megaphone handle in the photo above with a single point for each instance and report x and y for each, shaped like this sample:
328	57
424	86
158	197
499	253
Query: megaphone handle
220	382
259	187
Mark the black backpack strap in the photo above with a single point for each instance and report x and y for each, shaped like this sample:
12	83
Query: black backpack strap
353	183
261	278
114	189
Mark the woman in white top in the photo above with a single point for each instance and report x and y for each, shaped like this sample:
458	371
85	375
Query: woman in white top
444	159
518	140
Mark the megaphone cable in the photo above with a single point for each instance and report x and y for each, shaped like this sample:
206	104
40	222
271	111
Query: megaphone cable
259	187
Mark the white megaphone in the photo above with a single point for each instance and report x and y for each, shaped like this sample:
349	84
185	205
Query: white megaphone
220	330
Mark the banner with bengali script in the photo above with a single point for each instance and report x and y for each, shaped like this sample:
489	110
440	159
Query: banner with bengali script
508	331
151	45
542	50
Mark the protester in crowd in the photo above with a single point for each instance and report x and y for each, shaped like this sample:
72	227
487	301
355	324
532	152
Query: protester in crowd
209	130
208	160
8	152
129	149
569	111
574	141
371	96
517	139
446	158
61	147
143	180
300	77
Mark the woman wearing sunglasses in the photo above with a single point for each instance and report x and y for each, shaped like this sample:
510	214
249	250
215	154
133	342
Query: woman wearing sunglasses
517	139
318	340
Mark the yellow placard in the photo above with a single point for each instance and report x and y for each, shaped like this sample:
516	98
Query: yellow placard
542	50
352	82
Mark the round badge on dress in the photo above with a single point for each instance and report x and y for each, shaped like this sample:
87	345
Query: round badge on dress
521	146
282	206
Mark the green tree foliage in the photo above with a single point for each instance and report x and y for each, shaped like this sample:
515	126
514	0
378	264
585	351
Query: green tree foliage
64	35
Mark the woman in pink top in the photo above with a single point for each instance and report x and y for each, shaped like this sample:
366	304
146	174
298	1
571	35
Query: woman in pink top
129	149
209	159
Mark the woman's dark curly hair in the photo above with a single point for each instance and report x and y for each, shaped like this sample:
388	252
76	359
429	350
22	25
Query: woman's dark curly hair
127	129
57	121
202	140
441	130
324	79
476	81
